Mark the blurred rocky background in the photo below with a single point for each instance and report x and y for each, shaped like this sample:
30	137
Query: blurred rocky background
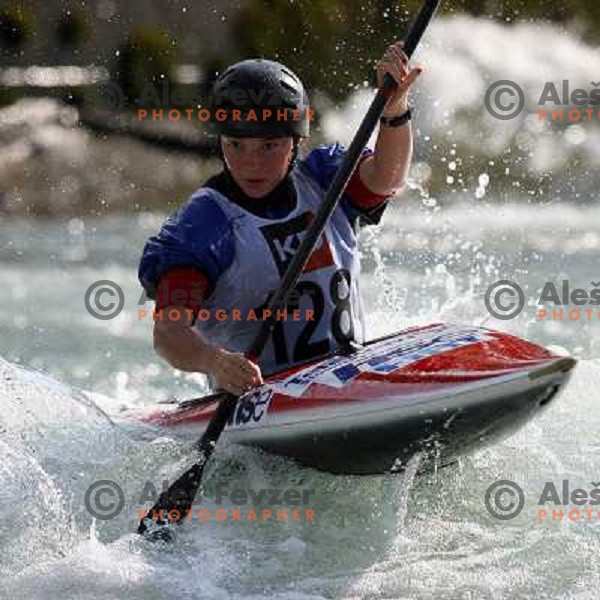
74	76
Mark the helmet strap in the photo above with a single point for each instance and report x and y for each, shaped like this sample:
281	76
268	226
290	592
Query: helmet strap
294	154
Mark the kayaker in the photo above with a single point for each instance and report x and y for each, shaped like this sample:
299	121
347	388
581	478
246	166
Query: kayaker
228	246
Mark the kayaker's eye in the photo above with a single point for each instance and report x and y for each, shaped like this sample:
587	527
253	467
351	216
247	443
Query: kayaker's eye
269	146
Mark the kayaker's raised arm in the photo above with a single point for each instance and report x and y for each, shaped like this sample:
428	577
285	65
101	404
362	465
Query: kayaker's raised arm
385	172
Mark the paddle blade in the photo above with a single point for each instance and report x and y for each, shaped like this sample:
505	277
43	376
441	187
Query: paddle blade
174	504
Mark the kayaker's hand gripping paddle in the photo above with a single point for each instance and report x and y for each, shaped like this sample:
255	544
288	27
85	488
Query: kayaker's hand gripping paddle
178	499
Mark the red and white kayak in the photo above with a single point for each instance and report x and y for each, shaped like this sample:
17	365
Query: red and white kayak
442	390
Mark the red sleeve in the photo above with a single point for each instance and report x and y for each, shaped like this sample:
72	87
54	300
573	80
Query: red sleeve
360	195
182	287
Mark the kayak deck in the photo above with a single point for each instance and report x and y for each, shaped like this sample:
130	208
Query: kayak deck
440	390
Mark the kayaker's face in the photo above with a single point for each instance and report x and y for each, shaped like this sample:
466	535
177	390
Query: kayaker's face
258	165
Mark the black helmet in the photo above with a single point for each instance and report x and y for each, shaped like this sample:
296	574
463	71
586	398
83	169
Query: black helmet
263	89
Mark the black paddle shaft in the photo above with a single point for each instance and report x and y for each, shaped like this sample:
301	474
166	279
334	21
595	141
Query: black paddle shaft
180	495
340	181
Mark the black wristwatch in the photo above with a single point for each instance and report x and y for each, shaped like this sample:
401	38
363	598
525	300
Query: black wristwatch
396	121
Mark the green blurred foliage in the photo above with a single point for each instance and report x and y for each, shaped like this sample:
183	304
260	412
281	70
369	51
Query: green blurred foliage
147	57
9	96
73	28
341	34
349	36
17	27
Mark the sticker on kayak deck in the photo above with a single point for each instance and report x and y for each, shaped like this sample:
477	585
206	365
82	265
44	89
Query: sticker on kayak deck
250	411
384	357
